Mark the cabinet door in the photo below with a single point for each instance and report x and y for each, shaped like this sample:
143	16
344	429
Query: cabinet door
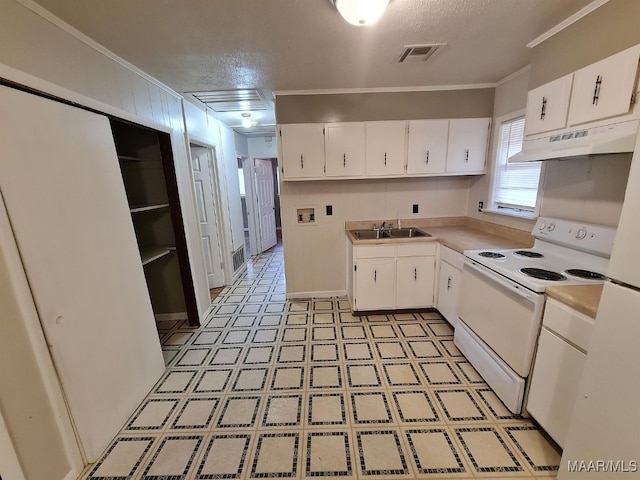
345	150
385	148
467	147
375	281
604	89
302	150
449	292
415	282
63	191
427	150
548	105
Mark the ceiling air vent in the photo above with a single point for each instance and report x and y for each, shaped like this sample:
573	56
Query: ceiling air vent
418	53
232	100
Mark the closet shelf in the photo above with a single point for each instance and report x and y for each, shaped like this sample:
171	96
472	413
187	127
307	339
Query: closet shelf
146	208
129	158
149	254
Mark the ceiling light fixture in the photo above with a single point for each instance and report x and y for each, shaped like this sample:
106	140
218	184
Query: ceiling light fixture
246	120
361	12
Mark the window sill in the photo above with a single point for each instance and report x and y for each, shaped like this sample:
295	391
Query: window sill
512	212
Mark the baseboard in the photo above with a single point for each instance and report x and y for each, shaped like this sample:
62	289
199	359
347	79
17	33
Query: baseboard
320	294
162	317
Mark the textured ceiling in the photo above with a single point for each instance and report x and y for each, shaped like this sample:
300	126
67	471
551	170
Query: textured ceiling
277	45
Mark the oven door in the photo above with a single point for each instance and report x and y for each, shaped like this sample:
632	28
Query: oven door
502	313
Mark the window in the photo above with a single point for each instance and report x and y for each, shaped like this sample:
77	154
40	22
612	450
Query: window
241	180
515	188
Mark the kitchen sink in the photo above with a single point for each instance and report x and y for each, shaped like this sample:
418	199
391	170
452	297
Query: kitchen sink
407	233
388	233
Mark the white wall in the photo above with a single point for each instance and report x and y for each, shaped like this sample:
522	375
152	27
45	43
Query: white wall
40	51
315	254
229	162
263	147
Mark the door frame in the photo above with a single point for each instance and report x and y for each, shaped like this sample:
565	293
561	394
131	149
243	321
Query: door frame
215	191
249	168
217	175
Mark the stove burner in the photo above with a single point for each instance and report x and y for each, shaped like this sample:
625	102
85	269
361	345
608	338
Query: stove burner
528	254
491	255
542	274
577	272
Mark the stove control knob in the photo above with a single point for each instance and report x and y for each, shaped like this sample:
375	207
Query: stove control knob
542	225
551	227
580	234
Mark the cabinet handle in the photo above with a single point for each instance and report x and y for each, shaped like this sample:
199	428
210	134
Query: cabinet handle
415	273
466	155
385	159
448	283
596	90
344	160
427	159
543	112
301	160
375	275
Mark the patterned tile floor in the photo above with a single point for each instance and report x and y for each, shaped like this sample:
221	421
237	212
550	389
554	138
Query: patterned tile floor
269	388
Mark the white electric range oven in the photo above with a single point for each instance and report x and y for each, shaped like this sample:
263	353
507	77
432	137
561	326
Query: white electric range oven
502	298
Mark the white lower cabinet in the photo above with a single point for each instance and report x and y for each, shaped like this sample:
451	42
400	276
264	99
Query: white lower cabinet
387	277
555	382
449	279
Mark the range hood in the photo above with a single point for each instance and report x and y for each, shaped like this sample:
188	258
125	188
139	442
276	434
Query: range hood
584	142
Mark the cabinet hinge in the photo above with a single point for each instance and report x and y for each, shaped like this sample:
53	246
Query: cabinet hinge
355	268
324	168
280	132
323	131
634	97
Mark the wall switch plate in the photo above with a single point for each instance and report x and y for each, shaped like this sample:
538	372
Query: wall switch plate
415	208
480	206
329	209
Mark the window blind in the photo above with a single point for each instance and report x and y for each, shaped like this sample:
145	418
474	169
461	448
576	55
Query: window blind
516	184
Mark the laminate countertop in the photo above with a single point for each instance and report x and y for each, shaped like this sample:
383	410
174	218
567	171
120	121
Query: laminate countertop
583	298
458	238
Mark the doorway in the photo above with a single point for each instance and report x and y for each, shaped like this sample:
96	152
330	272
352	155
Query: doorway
261	202
207	200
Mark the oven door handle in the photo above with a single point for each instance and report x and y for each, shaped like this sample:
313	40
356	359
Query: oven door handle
499	279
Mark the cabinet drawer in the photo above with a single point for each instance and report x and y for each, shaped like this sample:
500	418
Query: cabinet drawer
452	257
375	251
568	323
417	250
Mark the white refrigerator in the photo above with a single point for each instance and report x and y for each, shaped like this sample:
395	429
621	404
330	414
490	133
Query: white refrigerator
604	435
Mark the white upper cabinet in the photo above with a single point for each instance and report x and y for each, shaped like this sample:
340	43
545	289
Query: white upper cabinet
604	89
427	149
467	147
345	149
548	105
302	149
385	148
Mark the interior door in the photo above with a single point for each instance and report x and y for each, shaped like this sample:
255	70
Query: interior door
266	203
202	166
67	205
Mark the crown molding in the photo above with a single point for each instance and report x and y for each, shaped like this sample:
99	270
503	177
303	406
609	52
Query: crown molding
515	74
583	12
433	88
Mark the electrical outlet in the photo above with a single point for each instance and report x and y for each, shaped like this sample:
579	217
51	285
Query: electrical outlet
415	208
480	206
329	210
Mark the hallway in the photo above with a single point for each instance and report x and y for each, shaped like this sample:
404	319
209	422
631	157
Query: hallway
295	389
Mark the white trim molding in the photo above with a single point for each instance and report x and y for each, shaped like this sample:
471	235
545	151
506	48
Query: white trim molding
319	294
432	88
583	12
515	74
